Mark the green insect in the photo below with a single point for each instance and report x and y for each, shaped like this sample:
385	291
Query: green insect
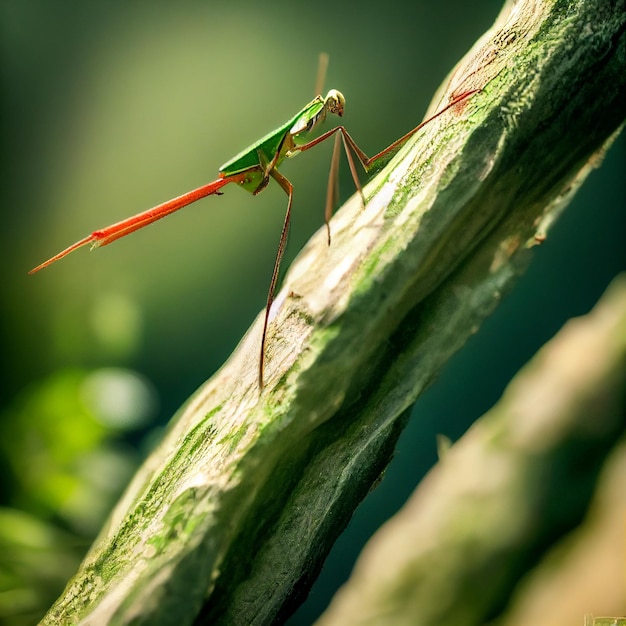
252	170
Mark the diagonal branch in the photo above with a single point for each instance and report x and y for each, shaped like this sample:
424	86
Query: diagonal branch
230	518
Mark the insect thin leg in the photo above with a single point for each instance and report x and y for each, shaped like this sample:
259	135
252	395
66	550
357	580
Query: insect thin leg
332	191
288	189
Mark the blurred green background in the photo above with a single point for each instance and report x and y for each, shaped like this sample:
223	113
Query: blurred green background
109	108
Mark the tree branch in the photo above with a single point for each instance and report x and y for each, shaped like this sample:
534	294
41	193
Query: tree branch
230	518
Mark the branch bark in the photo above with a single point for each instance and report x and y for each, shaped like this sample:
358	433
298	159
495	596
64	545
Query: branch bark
230	519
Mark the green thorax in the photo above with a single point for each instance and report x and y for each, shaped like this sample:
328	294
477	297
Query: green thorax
283	138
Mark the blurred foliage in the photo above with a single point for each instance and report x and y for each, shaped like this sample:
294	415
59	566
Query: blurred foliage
37	560
109	108
65	466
